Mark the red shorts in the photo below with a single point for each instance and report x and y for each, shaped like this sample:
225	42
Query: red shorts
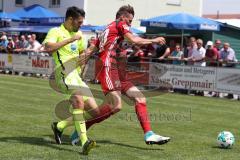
113	79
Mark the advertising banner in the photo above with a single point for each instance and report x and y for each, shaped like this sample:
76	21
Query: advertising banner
183	77
6	61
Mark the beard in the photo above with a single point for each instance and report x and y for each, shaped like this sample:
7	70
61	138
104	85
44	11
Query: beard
75	29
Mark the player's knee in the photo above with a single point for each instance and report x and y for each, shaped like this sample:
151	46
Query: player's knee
117	106
140	100
77	102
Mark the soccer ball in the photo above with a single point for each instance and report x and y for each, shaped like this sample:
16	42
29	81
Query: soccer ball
225	139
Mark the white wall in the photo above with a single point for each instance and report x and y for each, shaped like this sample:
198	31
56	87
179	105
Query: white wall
103	11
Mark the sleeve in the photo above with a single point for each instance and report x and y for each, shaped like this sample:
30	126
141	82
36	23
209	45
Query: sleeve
52	36
181	53
123	28
215	52
81	43
204	52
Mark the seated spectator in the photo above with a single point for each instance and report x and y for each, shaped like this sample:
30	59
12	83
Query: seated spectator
177	55
198	54
227	56
211	56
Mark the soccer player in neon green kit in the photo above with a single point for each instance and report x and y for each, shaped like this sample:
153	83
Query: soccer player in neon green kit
66	45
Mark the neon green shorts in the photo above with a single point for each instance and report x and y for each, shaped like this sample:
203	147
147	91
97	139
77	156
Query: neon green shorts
70	83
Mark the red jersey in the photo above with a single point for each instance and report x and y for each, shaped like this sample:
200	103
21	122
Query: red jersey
210	54
110	38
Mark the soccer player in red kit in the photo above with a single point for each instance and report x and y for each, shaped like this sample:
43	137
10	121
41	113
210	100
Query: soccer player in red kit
113	83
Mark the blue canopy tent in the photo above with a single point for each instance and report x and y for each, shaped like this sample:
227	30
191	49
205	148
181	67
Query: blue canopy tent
41	29
182	21
9	17
38	13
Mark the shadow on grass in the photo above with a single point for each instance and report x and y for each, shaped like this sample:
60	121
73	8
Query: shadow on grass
45	141
127	145
48	141
218	147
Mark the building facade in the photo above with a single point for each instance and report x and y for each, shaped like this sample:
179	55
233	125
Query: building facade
101	12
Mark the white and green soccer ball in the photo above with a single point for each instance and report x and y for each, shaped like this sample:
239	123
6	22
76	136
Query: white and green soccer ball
225	139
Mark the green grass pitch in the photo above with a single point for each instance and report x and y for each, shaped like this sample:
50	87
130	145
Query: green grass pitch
27	109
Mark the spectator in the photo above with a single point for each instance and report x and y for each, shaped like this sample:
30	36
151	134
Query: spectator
4	43
177	55
189	50
227	56
198	54
217	44
172	45
23	44
11	45
228	59
211	56
91	41
34	46
34	37
16	41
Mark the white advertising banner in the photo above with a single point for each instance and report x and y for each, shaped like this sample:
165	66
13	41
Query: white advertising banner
6	61
182	77
22	63
33	64
42	65
228	80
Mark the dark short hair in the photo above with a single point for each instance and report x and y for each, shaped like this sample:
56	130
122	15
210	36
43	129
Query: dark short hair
74	12
124	10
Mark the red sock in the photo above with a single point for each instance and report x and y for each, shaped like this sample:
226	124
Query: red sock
105	112
141	111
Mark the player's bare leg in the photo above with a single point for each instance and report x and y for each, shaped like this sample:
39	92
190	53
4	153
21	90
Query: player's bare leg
141	110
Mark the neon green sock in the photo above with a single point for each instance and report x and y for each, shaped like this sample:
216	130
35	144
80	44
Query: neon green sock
80	126
64	124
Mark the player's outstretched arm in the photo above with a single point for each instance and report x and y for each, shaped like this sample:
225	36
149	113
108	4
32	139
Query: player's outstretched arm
51	47
85	56
142	41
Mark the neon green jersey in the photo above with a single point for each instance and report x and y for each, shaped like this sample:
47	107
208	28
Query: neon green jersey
69	53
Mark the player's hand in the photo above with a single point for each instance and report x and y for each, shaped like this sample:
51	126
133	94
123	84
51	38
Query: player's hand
161	58
160	40
77	36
